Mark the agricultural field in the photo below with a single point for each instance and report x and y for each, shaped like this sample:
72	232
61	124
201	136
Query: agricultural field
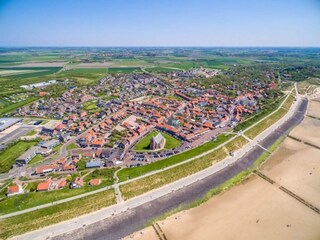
124	70
27	72
82	75
144	144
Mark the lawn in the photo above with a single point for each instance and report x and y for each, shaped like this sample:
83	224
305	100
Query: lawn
9	155
144	143
126	173
31	133
72	146
105	174
91	106
38	158
44	217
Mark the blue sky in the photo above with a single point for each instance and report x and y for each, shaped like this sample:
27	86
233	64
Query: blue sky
160	23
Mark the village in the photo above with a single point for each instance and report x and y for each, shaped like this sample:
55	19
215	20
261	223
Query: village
103	126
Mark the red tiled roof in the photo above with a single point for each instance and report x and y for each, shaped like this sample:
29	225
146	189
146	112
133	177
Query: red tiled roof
44	185
62	183
13	189
95	182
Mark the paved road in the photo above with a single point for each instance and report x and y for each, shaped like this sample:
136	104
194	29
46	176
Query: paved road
209	178
23	130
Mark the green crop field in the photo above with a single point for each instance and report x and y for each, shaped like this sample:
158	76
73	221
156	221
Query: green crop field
124	70
144	144
35	72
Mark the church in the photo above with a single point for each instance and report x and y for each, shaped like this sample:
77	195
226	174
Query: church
157	142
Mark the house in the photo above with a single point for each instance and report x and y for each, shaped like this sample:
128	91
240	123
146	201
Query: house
95	182
64	137
45	186
62	183
14	190
49	144
77	183
157	142
44	169
60	127
47	131
97	143
93	164
27	156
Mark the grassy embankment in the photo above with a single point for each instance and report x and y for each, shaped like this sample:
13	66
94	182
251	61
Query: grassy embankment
276	116
44	217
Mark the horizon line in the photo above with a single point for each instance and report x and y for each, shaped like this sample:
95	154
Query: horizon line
159	46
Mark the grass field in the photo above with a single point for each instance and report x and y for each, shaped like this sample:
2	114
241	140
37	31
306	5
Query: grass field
44	217
126	173
144	143
157	180
9	155
235	144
